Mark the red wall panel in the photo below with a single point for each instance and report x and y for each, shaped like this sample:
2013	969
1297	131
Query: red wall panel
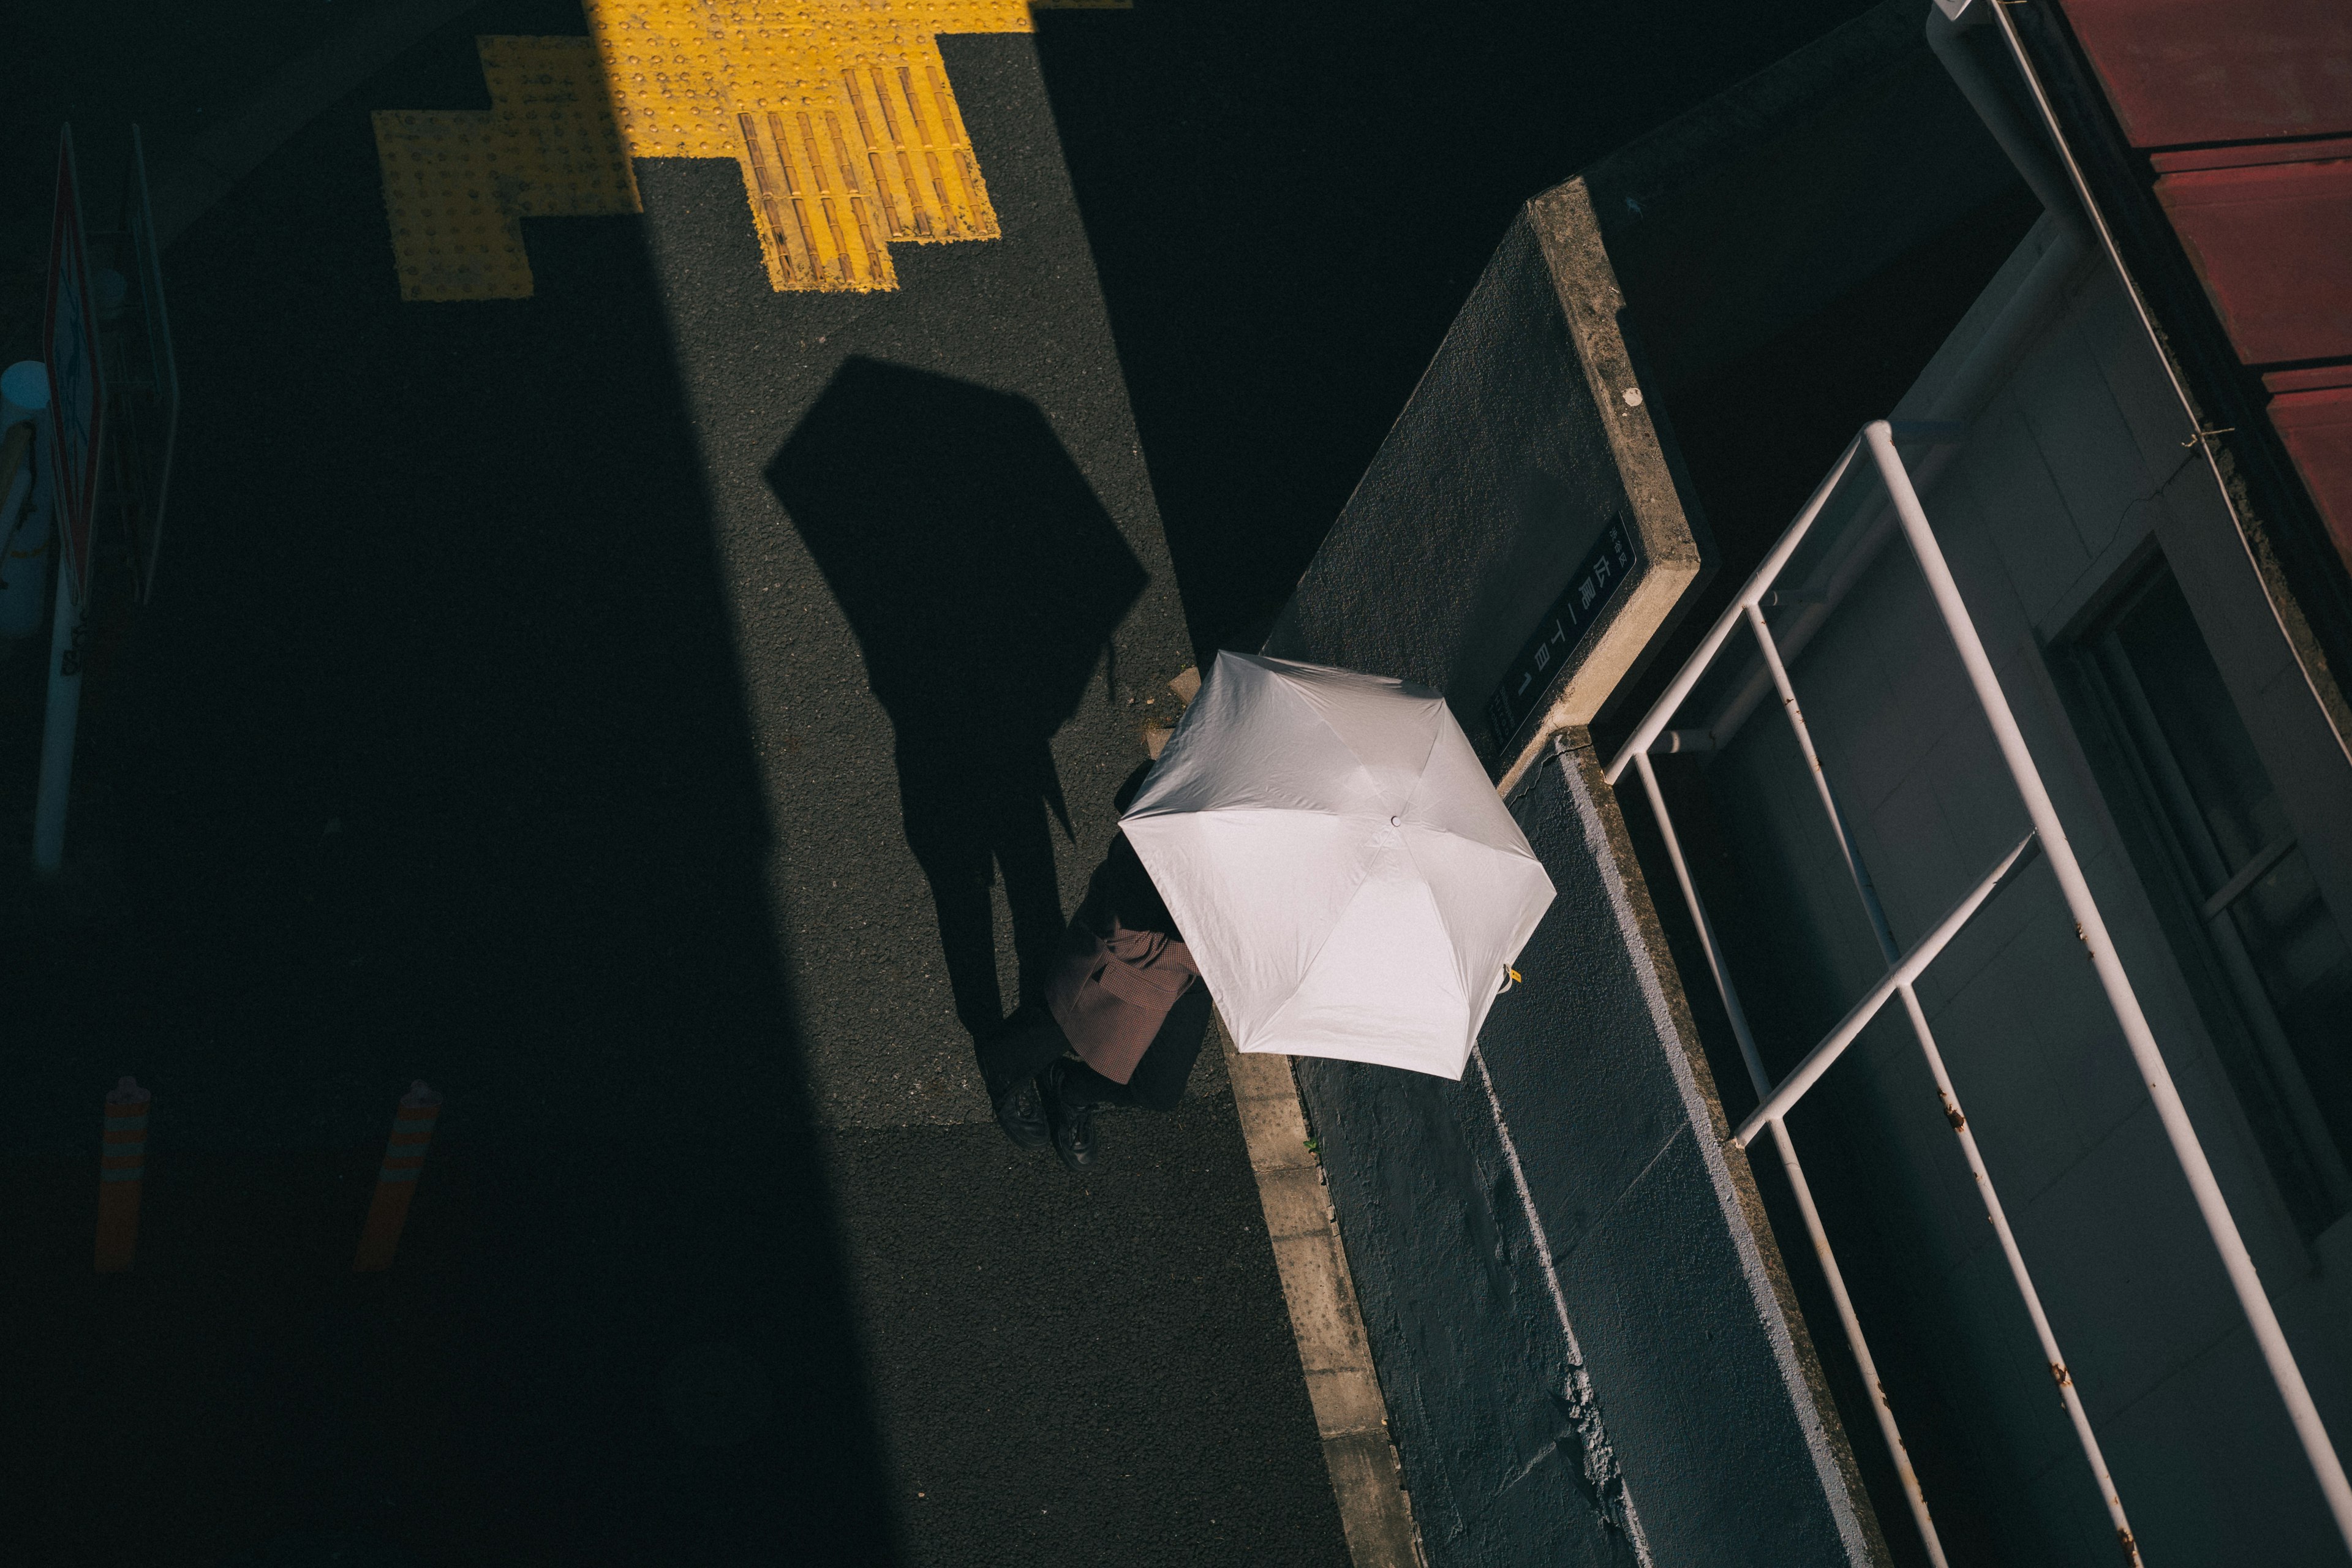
2183	71
2273	241
2316	425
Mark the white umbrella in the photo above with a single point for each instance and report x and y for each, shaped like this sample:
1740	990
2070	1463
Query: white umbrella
1338	863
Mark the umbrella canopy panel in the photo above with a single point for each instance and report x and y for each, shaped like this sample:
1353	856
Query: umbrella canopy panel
1338	863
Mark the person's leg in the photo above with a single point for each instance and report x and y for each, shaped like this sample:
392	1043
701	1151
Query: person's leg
1011	1058
1158	1080
1018	1050
1080	1084
1074	1092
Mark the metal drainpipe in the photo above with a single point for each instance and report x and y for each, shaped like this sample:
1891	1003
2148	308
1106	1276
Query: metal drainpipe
2027	149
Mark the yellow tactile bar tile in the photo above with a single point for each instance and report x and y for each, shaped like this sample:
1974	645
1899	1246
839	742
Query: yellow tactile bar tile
839	113
456	183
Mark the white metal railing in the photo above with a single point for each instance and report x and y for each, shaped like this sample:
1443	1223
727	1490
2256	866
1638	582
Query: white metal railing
2048	837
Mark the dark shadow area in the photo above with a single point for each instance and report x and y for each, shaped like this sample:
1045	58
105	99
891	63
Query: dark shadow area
1286	205
983	579
179	73
1117	1411
1129	787
1757	435
434	763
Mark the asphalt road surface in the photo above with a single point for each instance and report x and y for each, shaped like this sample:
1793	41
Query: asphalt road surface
664	713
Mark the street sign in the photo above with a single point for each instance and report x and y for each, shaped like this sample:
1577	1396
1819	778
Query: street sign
77	395
1550	653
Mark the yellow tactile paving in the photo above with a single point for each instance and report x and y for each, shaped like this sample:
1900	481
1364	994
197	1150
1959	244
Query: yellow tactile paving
839	113
458	183
555	119
450	237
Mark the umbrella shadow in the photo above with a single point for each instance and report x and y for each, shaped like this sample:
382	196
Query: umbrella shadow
983	579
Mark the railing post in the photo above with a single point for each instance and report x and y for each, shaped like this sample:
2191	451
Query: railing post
1867	891
1897	1451
2219	1223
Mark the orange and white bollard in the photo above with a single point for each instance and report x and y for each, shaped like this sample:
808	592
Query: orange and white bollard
121	1164
404	1157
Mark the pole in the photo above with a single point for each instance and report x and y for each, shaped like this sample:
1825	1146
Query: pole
58	729
25	519
404	1158
121	1169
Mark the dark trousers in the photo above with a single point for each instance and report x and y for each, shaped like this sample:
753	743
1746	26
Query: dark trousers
1031	1039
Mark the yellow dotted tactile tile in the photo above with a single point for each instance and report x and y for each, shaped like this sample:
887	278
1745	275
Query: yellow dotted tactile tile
458	183
839	113
450	240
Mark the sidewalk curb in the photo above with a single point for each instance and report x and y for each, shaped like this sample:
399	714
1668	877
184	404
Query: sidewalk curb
1334	1353
185	186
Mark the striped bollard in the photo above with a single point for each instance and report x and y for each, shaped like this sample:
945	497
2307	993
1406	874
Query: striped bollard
404	1157
122	1163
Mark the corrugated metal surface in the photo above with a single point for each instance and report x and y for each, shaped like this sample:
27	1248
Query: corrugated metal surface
2269	230
2185	71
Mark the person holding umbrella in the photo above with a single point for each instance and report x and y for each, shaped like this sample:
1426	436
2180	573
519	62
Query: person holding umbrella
1125	995
1353	887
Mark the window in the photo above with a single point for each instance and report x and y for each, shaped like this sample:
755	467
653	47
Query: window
2262	947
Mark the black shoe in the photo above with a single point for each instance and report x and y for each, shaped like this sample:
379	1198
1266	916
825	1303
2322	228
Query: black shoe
1073	1124
1022	1114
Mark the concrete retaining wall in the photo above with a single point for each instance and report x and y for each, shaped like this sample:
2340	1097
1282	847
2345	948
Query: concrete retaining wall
1581	1322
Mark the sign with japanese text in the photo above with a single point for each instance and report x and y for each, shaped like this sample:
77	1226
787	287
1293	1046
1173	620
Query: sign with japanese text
1550	653
77	397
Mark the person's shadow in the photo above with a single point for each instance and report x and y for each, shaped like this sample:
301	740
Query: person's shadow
982	580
